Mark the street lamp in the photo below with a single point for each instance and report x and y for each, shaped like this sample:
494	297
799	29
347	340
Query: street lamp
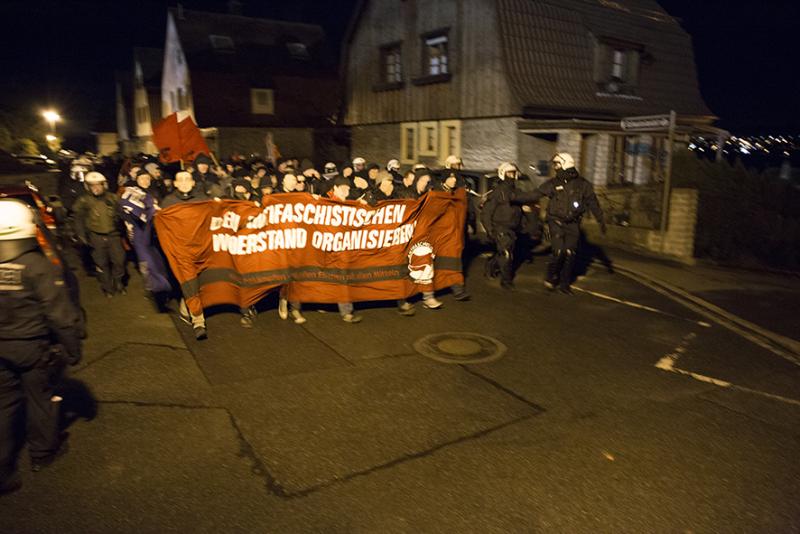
52	117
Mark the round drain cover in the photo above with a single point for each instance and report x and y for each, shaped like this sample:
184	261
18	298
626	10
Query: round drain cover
460	347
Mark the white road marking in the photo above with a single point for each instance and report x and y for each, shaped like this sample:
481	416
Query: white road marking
638	306
667	363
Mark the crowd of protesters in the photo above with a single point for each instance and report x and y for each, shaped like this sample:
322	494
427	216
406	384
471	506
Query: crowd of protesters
101	218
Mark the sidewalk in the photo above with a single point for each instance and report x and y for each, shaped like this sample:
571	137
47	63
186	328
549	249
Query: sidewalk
764	303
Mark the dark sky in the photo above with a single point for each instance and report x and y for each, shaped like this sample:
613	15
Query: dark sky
63	53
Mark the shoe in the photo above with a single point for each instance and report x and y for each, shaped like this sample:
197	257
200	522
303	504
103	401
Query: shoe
352	318
200	333
11	486
432	304
297	317
283	309
508	286
37	464
462	297
549	285
108	295
565	290
123	291
246	320
406	309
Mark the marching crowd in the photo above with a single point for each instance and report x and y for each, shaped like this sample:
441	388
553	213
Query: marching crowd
144	187
41	325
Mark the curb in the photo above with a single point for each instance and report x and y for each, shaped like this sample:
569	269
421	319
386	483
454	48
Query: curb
783	346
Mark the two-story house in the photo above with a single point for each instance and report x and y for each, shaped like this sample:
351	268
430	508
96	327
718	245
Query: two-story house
518	80
240	78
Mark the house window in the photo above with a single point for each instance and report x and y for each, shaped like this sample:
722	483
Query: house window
391	64
428	138
262	101
616	69
408	142
449	139
637	160
221	42
435	55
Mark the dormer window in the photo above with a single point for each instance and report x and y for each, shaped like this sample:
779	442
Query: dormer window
435	55
298	51
222	43
616	69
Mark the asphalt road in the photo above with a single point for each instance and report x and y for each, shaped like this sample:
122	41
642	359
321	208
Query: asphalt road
332	427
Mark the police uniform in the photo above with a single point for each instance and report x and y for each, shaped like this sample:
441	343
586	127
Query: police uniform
571	196
36	316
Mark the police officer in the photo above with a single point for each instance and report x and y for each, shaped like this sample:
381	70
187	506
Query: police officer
501	219
570	197
97	224
39	329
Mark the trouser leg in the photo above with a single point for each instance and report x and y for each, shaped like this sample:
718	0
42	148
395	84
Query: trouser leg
505	242
41	413
12	423
101	259
345	308
571	236
554	266
117	257
198	321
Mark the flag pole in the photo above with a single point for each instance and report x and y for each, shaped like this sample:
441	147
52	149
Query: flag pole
182	164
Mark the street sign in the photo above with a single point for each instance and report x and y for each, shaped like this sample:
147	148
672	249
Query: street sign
646	123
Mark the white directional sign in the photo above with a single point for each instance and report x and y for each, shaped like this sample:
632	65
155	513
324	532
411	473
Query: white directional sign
646	123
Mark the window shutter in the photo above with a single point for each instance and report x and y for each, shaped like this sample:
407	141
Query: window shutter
632	68
602	63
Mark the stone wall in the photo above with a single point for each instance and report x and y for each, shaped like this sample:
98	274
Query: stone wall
680	235
376	142
486	143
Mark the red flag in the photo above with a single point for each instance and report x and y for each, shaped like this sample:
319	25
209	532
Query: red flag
167	139
192	141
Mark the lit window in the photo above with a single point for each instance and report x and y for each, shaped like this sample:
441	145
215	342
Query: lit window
428	138
435	54
408	142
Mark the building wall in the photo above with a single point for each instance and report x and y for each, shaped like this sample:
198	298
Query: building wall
295	142
477	88
107	143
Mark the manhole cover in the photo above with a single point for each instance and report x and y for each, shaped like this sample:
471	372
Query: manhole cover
460	347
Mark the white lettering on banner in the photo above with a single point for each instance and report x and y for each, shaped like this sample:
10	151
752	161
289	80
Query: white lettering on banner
312	214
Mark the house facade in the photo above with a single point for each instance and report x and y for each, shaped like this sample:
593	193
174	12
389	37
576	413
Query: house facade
518	80
241	78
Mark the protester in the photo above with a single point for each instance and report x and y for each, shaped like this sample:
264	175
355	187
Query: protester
340	192
139	206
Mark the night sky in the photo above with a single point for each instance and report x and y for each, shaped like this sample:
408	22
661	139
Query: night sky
63	53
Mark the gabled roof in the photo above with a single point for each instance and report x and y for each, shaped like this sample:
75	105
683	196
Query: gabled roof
152	62
548	48
258	45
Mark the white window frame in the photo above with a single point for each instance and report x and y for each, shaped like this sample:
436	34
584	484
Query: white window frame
259	108
445	148
405	127
423	147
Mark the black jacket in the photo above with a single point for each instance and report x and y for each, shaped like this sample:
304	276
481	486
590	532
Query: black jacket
36	304
570	197
500	212
176	197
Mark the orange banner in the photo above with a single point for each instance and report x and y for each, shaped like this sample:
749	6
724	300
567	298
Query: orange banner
167	138
234	252
192	141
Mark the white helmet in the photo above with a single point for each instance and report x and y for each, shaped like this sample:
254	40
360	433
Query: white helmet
17	220
393	165
452	161
93	178
564	161
359	161
505	168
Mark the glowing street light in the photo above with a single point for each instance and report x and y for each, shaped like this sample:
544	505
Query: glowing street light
52	117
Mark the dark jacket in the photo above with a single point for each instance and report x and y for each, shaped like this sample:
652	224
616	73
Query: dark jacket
36	304
176	197
500	212
98	214
570	197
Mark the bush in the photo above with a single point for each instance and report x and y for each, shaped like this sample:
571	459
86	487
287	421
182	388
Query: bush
743	215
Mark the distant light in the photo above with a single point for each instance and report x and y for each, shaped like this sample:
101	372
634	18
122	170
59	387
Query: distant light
692	146
743	150
51	115
50	138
